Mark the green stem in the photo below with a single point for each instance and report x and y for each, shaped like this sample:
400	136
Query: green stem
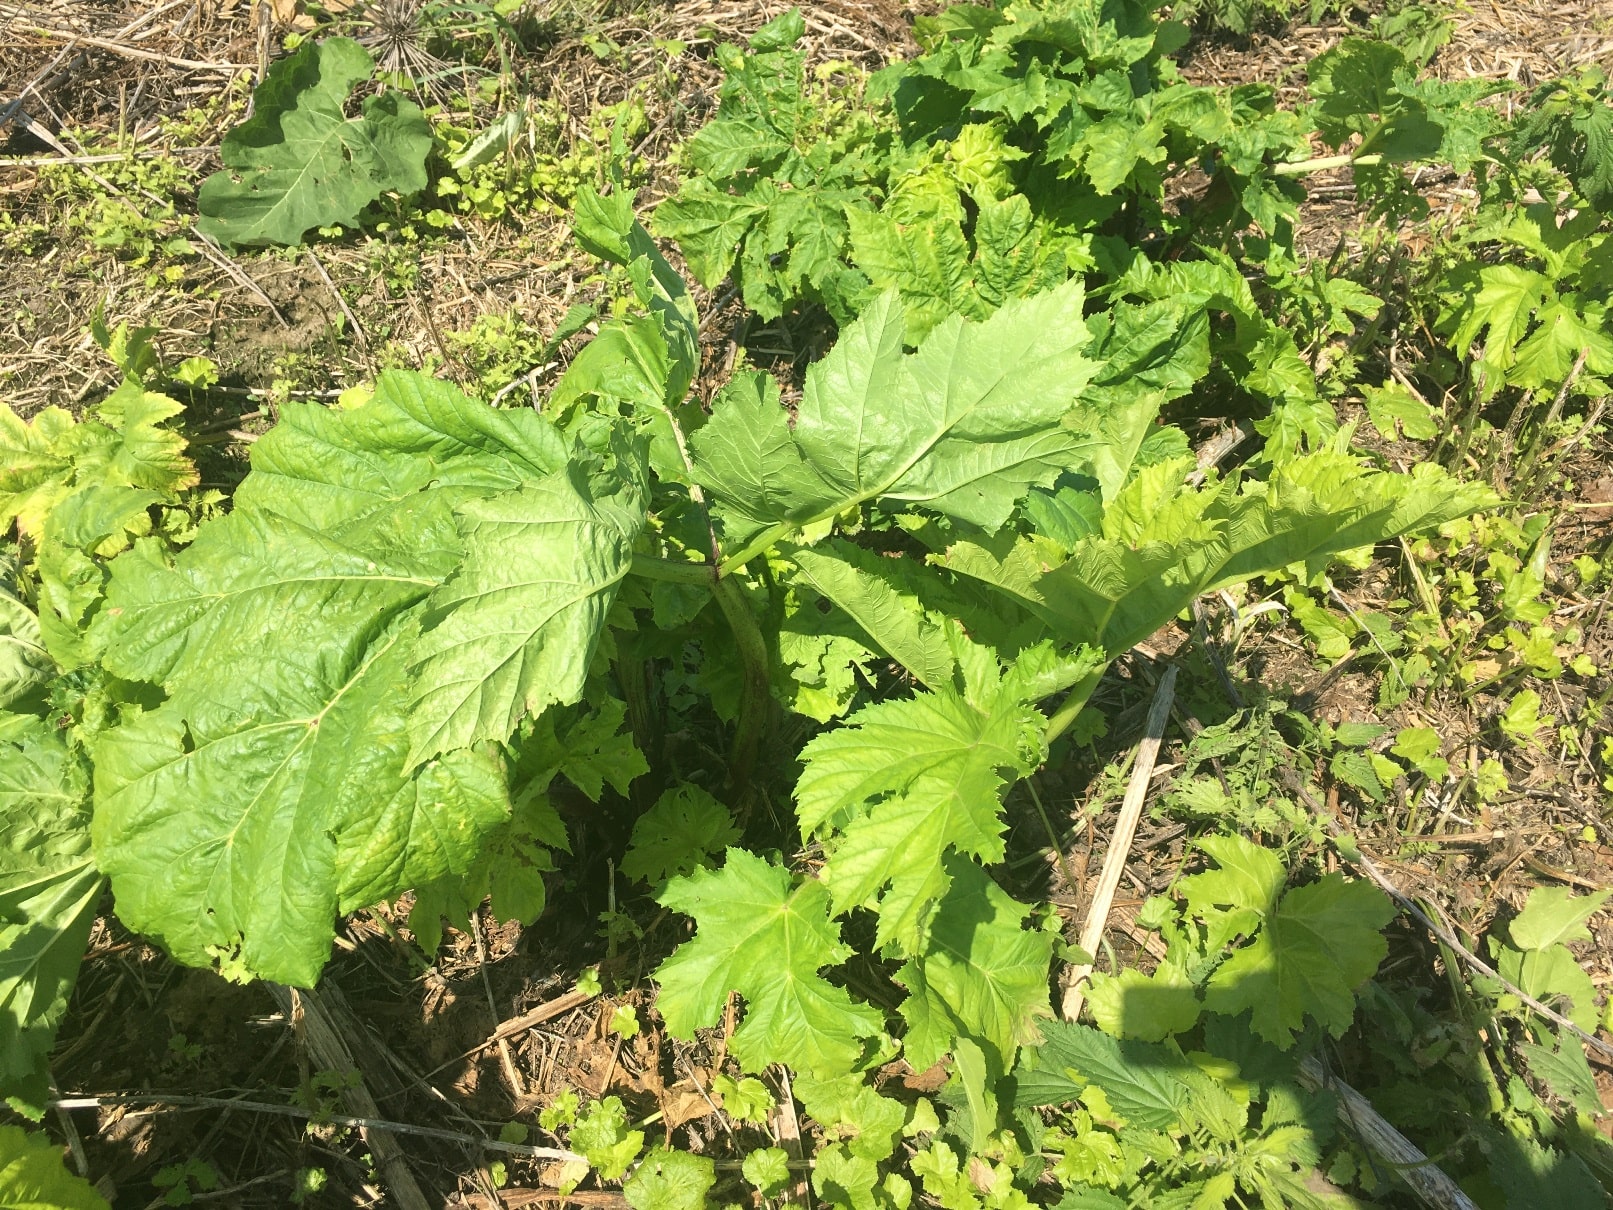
754	547
755	699
1324	163
674	572
1074	702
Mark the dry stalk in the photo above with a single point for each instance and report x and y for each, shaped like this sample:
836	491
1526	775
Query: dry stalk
1114	861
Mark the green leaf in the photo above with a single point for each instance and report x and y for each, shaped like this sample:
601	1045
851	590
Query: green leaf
963	427
145	455
387	476
850	1112
709	225
877	593
300	162
926	261
1393	405
36	465
1142	1082
905	783
45	461
1499	306
1234	898
236	830
603	1139
1554	915
1552	976
49	890
25	665
667	1179
763	936
1163	544
515	628
1147	1007
680	833
845	1180
745	1099
982	975
781	33
767	1170
1322	941
1561	335
33	1177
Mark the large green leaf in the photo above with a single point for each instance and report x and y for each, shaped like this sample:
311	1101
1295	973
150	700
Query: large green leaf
239	819
299	161
515	628
763	936
48	892
964	426
268	795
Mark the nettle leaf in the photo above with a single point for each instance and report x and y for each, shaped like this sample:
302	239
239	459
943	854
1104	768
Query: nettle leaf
963	427
33	1177
1564	1070
300	162
761	934
904	783
49	889
982	974
514	629
1314	946
1528	1173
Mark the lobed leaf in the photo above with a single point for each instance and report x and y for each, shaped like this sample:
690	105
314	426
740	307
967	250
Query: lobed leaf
982	975
765	937
905	783
962	427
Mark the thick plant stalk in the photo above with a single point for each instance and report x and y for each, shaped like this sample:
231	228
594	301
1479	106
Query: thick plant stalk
755	699
1427	1180
1114	861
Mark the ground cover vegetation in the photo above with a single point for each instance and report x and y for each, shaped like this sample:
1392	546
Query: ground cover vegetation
824	648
